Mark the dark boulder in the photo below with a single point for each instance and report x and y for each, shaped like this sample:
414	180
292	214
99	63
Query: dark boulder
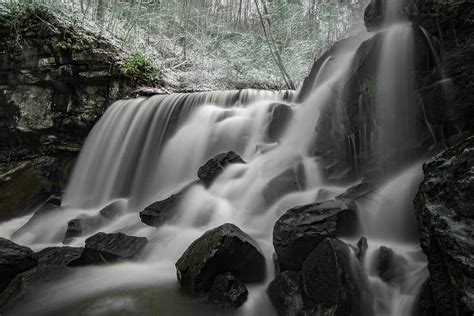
281	115
227	291
445	216
285	294
58	256
220	250
107	248
26	285
163	211
214	167
330	280
114	209
390	266
14	259
300	230
83	225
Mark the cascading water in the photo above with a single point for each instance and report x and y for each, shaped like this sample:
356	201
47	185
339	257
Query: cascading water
143	150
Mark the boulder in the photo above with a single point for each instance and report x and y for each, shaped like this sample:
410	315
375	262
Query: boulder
227	291
285	294
160	212
83	225
390	266
300	230
114	209
445	216
330	280
107	248
26	285
58	256
281	116
214	167
14	259
220	250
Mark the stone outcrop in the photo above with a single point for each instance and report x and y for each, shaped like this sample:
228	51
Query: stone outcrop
300	230
445	214
56	80
220	250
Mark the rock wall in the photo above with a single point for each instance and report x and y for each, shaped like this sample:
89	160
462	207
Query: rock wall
56	80
445	213
442	111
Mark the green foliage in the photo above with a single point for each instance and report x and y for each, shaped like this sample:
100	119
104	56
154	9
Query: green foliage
75	39
140	69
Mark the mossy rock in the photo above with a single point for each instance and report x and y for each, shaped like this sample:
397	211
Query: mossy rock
220	250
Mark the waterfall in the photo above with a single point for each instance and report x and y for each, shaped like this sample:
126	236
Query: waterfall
143	150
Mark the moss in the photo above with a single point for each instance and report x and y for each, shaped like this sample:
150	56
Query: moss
140	69
368	87
192	263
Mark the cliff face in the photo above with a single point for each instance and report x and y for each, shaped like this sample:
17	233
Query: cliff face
445	207
441	111
56	80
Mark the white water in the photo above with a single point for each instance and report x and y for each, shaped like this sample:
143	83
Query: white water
143	150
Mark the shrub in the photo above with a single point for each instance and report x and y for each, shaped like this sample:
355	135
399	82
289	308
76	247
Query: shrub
140	69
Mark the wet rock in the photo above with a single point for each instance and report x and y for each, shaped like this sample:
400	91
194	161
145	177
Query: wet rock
20	189
220	250
108	248
300	230
374	15
329	280
285	294
83	225
281	115
227	291
426	304
362	247
58	256
445	216
291	180
114	209
54	200
213	168
14	259
160	212
26	285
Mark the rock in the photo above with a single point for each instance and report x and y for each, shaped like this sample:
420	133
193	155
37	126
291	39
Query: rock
54	200
26	285
160	212
220	250
114	209
83	225
108	248
227	291
291	180
58	256
445	216
300	230
329	280
285	294
281	115
374	15
390	266
213	168
20	189
14	259
426	304
362	247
